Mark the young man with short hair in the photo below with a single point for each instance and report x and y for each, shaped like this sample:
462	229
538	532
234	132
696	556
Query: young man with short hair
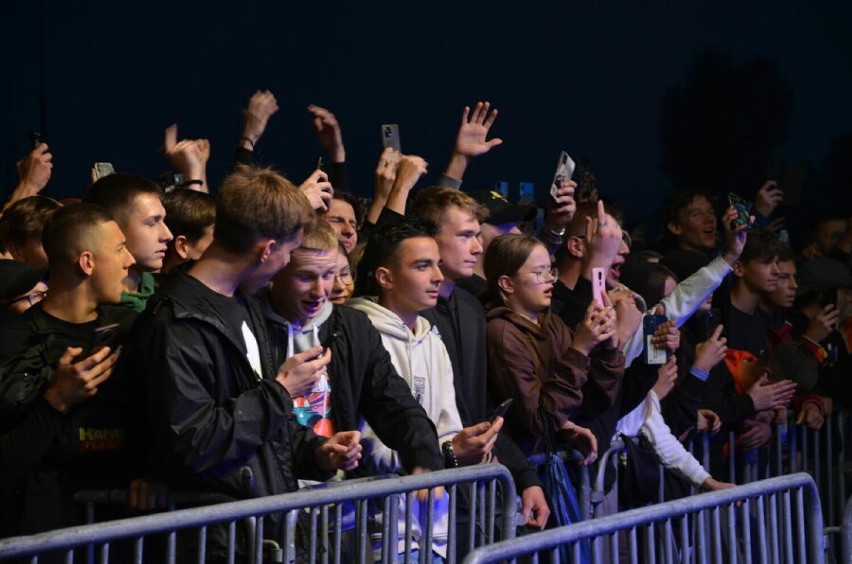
401	265
218	400
135	203
190	216
460	319
64	424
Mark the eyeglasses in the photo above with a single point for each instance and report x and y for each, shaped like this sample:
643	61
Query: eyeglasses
347	276
33	298
544	276
625	238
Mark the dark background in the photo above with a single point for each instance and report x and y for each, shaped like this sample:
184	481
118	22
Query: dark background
584	77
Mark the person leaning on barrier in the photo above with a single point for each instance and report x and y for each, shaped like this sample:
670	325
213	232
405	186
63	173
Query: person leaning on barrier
218	401
63	409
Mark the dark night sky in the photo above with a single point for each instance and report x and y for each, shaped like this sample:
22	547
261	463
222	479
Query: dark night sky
584	77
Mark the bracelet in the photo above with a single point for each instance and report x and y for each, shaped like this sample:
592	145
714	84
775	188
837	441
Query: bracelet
195	181
450	460
249	140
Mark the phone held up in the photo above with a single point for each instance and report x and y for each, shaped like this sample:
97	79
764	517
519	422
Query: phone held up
653	355
390	136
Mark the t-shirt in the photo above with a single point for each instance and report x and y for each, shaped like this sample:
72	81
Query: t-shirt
234	314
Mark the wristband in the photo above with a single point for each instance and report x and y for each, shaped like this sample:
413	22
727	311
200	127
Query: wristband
450	460
187	183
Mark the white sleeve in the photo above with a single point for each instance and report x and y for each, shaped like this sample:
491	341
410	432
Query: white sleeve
691	293
671	452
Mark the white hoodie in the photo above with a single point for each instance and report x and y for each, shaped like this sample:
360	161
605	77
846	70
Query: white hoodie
422	361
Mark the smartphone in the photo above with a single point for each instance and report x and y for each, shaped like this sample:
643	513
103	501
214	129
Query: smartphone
526	192
390	136
169	181
741	207
36	139
585	181
564	171
103	336
653	355
319	164
502	409
103	169
598	285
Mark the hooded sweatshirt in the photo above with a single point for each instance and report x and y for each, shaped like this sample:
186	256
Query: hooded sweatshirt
421	359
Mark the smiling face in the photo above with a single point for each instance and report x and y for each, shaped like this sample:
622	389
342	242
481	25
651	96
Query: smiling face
146	232
695	228
300	291
344	283
410	283
341	217
530	290
459	242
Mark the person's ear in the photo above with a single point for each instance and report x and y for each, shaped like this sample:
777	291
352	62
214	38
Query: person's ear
506	284
180	247
86	262
738	269
265	249
384	278
674	228
576	246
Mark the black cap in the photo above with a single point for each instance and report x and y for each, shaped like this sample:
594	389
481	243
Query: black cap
821	274
500	210
16	278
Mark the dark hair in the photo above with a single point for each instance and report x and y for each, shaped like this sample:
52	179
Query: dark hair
505	256
679	201
256	203
762	245
68	232
118	191
786	361
382	248
189	213
353	201
786	253
24	220
648	279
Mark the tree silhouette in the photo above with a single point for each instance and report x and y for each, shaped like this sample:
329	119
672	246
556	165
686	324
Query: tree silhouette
720	129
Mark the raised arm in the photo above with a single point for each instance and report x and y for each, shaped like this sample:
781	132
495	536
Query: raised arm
34	172
189	157
471	140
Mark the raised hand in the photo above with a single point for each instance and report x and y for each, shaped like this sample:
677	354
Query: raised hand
735	238
75	382
471	138
561	210
328	132
188	156
385	176
318	190
711	352
597	326
34	172
768	198
300	373
409	170
262	105
603	239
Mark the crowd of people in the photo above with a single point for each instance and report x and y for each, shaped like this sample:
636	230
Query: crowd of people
161	339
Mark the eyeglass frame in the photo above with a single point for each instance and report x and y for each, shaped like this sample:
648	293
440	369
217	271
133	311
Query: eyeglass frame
29	297
554	275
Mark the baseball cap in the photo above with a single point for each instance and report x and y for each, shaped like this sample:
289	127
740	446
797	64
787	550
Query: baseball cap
501	210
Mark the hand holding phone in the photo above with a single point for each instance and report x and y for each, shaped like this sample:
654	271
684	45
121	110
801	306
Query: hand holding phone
742	209
564	171
653	355
598	285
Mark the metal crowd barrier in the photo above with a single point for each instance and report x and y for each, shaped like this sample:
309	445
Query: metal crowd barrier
776	520
472	489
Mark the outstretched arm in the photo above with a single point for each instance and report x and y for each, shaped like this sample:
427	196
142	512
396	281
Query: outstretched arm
34	172
189	157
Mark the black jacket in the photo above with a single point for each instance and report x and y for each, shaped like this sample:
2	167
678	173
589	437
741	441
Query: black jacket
210	415
365	383
461	323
